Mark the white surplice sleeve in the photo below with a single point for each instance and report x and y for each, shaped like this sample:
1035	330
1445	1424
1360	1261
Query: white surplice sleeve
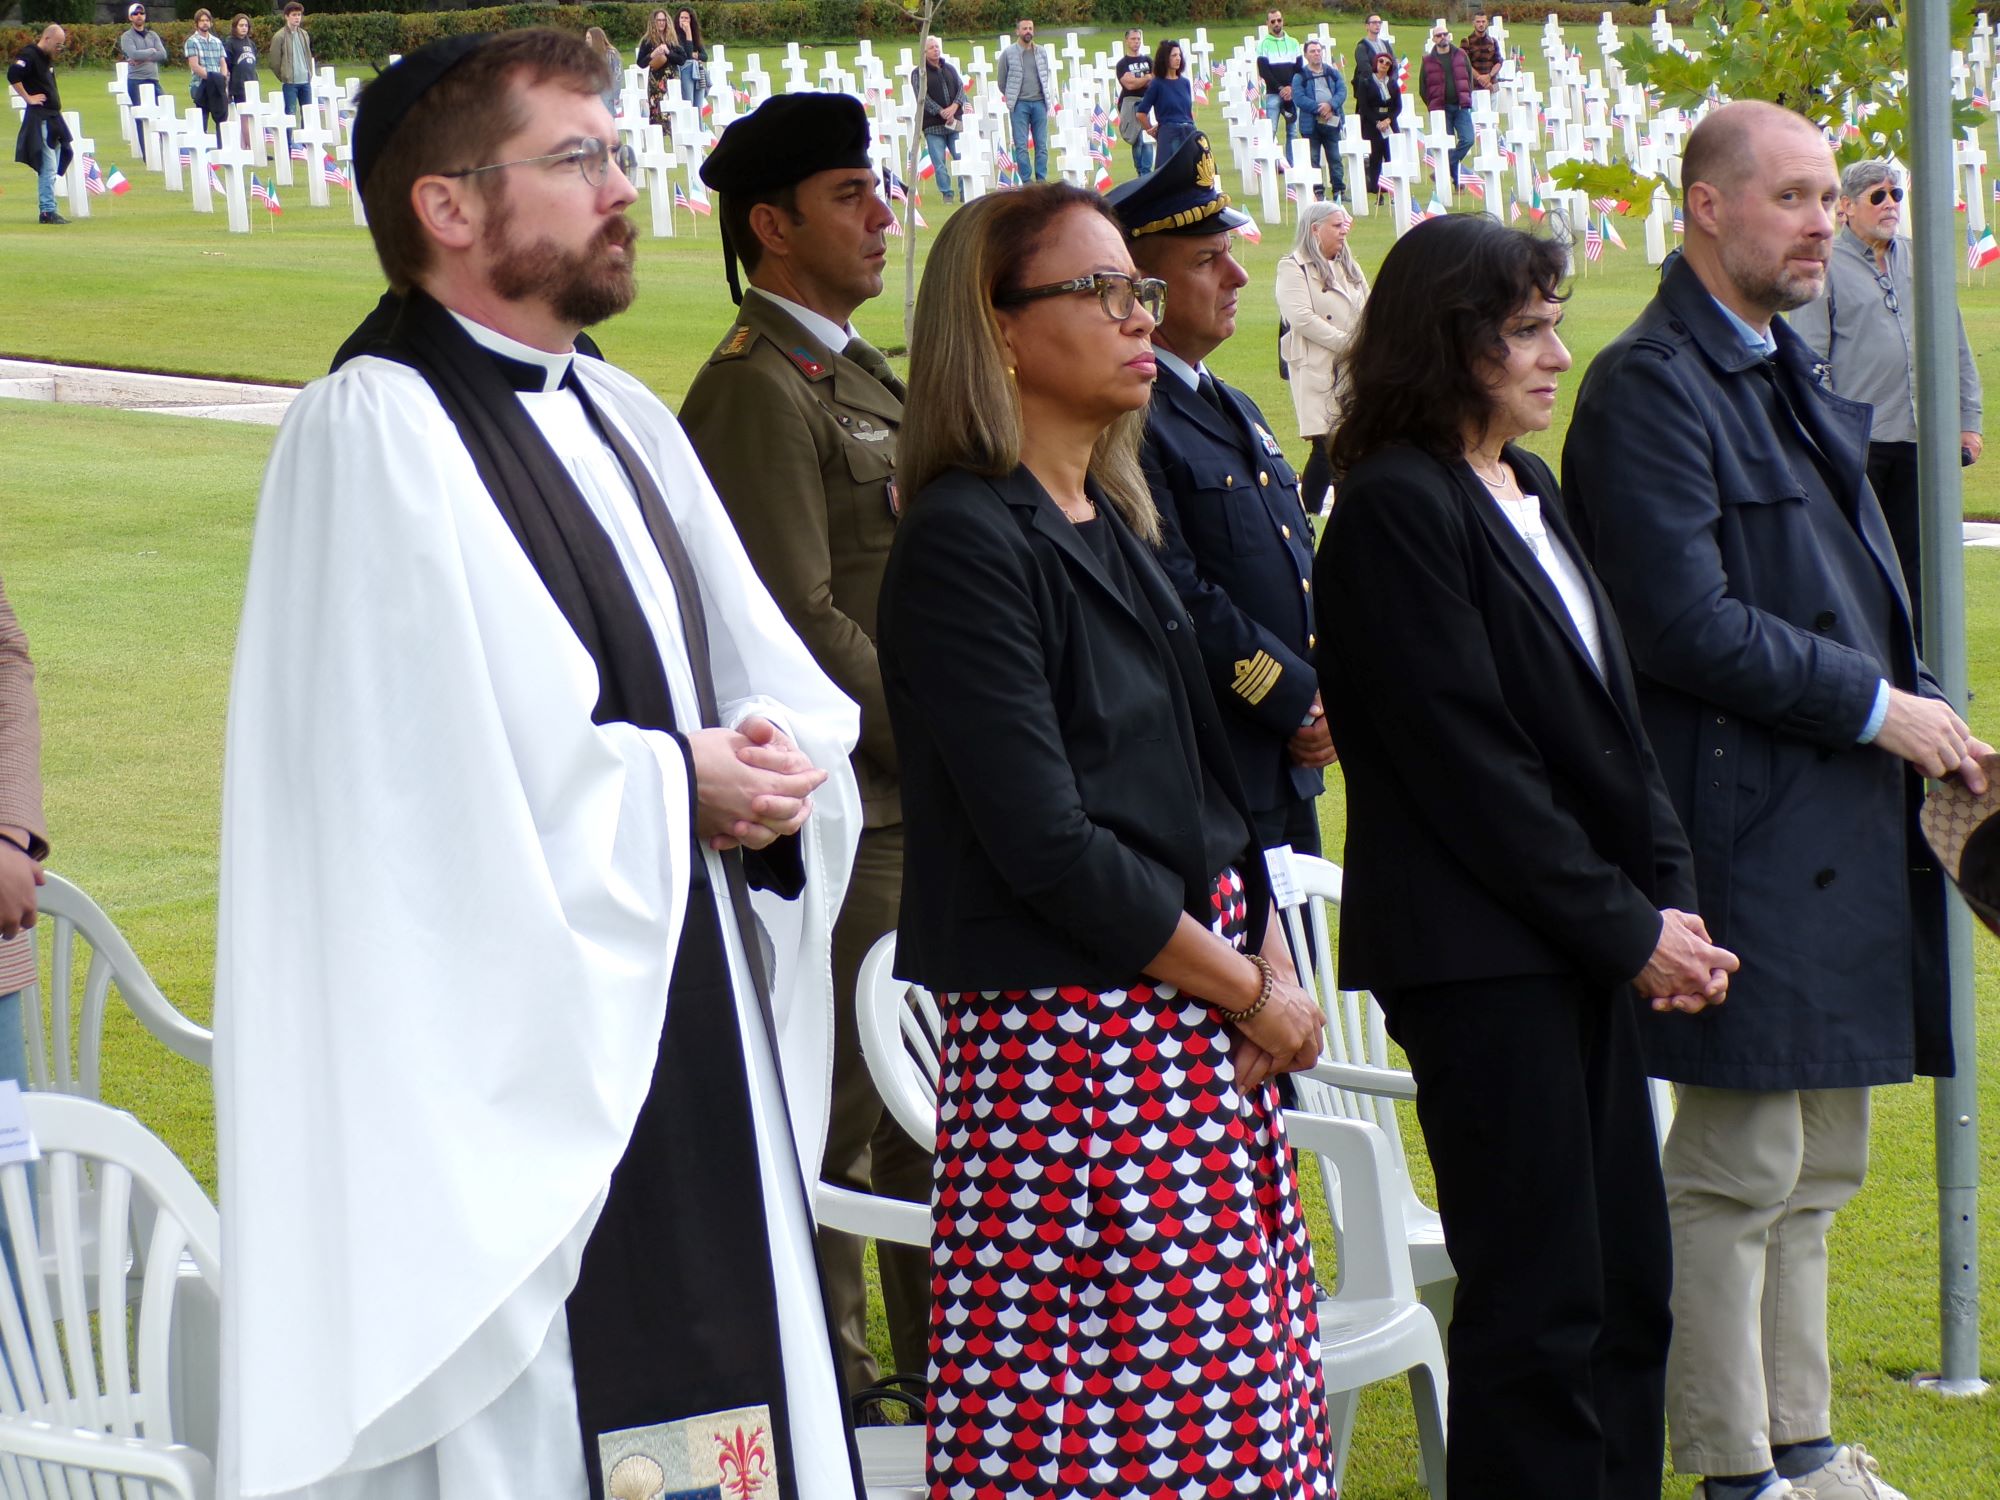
449	910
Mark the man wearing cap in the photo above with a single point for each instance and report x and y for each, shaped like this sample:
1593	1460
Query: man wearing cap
510	1109
143	51
795	417
1234	537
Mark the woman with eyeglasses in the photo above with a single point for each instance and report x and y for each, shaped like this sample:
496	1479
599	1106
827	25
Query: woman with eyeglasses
655	55
1081	894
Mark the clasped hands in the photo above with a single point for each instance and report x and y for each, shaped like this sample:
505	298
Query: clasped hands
752	785
1687	971
1285	1036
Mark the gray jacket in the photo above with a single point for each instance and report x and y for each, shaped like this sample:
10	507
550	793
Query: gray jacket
1011	69
143	52
1873	350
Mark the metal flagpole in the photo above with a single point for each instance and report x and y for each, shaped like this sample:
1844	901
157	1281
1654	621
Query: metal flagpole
1927	66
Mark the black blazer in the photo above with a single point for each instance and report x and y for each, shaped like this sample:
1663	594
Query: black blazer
1050	774
1505	815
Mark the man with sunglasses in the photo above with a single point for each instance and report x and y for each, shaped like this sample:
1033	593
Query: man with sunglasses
510	1110
1235	539
796	418
1864	328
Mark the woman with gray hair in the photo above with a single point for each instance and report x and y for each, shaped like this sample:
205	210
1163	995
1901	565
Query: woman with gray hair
1320	289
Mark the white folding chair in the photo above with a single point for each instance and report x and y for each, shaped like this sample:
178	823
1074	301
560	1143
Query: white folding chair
69	1057
902	1038
87	1420
892	1458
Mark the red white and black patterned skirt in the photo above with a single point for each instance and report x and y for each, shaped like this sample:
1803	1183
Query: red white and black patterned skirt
1122	1294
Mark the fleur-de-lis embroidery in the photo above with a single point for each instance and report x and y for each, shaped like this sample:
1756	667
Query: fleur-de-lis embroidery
744	1463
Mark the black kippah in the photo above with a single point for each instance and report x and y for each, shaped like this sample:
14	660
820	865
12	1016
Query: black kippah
786	139
394	92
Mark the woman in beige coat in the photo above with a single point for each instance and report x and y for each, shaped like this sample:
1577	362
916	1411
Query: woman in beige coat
1320	293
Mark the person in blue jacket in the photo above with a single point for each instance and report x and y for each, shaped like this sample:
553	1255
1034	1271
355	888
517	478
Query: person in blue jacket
1320	94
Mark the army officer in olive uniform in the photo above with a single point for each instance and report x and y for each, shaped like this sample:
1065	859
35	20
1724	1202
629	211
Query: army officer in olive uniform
1236	541
795	419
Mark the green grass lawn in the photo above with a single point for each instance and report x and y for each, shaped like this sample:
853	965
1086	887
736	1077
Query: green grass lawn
123	541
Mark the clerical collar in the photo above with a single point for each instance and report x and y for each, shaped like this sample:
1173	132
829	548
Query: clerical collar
1189	375
819	325
526	368
1765	343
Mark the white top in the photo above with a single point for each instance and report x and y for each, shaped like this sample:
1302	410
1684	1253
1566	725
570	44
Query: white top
1189	375
819	325
449	910
1525	516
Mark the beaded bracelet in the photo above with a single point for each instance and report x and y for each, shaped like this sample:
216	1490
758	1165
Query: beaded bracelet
1263	999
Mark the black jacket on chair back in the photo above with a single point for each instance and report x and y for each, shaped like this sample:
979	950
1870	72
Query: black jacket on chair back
1052	773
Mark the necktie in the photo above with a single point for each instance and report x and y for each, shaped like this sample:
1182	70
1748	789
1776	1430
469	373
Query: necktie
1212	394
870	359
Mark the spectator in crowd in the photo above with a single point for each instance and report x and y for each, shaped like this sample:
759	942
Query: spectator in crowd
1028	84
1371	46
292	61
1168	103
656	56
1865	329
1277	60
1724	498
1047	706
1482	52
1234	540
690	57
492	577
143	50
1514	870
795	417
1378	100
1134	72
208	71
614	67
43	143
1320	291
239	51
24	843
943	93
1446	84
1319	94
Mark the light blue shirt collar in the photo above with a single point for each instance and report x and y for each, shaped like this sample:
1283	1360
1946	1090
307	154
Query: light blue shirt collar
1765	343
1189	375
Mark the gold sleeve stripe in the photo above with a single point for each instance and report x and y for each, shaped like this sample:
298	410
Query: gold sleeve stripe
1256	677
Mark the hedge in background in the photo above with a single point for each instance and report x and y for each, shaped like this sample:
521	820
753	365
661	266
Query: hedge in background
377	33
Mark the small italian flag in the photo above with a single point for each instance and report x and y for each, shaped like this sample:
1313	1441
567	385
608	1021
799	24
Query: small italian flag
117	182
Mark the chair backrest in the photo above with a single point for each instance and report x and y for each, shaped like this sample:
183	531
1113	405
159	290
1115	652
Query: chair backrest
68	1056
1355	1031
902	1040
66	1376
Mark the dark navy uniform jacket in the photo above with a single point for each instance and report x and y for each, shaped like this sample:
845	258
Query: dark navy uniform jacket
1238	546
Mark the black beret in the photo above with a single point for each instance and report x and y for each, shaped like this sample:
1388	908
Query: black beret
393	92
786	139
1179	196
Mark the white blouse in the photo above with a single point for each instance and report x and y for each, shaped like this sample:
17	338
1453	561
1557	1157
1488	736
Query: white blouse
1525	516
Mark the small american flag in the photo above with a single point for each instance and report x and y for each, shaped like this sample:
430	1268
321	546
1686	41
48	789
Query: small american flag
1593	241
265	193
332	173
1469	180
93	180
1680	225
1010	170
1417	215
1291	192
299	152
896	227
692	205
187	156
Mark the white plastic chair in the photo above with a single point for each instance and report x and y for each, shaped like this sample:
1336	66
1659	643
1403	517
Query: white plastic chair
892	1458
69	1058
1372	1328
87	1421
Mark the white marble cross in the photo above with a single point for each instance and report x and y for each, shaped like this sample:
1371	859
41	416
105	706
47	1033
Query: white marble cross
231	162
318	135
1971	163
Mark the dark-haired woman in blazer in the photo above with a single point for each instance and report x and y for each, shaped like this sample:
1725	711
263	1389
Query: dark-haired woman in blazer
1516	880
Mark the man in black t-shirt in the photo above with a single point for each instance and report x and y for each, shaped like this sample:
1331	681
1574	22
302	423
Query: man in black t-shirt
1135	71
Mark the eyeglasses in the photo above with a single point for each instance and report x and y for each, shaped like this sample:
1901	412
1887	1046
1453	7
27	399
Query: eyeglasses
1119	293
1888	285
1875	198
590	155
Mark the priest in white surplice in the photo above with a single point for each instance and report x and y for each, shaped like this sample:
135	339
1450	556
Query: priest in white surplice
512	1088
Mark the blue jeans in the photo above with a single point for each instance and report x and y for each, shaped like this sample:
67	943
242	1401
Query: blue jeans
1460	120
944	151
51	159
694	83
133	87
1324	135
1142	155
1274	109
296	94
14	1065
1031	116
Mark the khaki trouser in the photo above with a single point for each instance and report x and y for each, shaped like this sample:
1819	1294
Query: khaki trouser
865	1148
1753	1182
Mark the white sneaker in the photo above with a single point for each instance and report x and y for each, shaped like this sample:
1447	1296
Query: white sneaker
1851	1474
1773	1491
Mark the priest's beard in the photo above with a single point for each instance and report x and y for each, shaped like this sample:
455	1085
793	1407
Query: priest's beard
581	287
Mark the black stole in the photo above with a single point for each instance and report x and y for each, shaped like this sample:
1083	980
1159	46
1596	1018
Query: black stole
674	1313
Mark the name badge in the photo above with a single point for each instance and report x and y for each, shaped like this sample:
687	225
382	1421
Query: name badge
1285	892
17	1141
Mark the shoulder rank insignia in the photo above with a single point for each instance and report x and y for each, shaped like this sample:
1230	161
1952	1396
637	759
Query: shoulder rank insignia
738	342
1255	677
813	368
